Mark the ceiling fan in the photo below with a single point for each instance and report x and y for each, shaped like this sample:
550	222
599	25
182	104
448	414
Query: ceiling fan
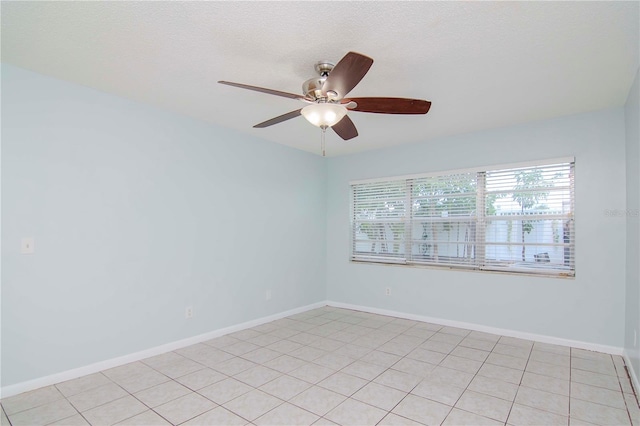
326	96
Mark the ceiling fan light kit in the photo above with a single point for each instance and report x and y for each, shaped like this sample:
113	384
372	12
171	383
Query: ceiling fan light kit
326	97
324	115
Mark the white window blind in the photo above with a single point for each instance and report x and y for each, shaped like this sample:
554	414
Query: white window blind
380	221
516	219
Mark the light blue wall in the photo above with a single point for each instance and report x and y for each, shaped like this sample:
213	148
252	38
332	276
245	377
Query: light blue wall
589	308
138	213
632	121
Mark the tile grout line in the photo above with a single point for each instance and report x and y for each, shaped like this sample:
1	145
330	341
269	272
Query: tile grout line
570	382
281	374
135	397
375	377
633	387
355	360
5	414
476	375
385	370
439	364
150	387
408	393
519	383
626	405
312	362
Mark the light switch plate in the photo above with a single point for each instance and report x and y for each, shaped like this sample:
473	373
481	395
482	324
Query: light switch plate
27	246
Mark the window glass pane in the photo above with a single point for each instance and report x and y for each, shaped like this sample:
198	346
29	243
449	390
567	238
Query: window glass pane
444	196
379	213
375	201
379	238
530	223
443	241
532	241
445	209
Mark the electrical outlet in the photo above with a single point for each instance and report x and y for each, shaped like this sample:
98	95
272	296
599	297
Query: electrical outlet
388	291
267	295
188	312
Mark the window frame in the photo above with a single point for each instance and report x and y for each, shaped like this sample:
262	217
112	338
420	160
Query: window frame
479	261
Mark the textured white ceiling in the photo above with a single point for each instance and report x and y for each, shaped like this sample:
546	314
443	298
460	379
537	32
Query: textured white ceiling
482	64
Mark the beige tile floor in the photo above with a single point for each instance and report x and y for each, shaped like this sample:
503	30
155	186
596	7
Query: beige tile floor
336	366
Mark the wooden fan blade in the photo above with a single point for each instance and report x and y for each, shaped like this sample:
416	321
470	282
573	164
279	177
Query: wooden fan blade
347	74
263	90
390	105
345	128
279	119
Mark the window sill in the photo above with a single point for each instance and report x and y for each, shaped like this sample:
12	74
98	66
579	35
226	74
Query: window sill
520	273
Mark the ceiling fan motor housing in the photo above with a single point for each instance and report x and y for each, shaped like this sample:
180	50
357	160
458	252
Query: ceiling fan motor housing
312	88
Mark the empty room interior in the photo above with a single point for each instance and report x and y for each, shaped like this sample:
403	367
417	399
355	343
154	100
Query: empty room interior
328	213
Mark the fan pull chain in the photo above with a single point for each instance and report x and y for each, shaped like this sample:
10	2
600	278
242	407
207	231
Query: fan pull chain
322	142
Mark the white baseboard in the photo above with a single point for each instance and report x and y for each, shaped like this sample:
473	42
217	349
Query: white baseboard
29	385
486	329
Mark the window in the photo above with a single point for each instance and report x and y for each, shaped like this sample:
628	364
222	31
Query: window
514	219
